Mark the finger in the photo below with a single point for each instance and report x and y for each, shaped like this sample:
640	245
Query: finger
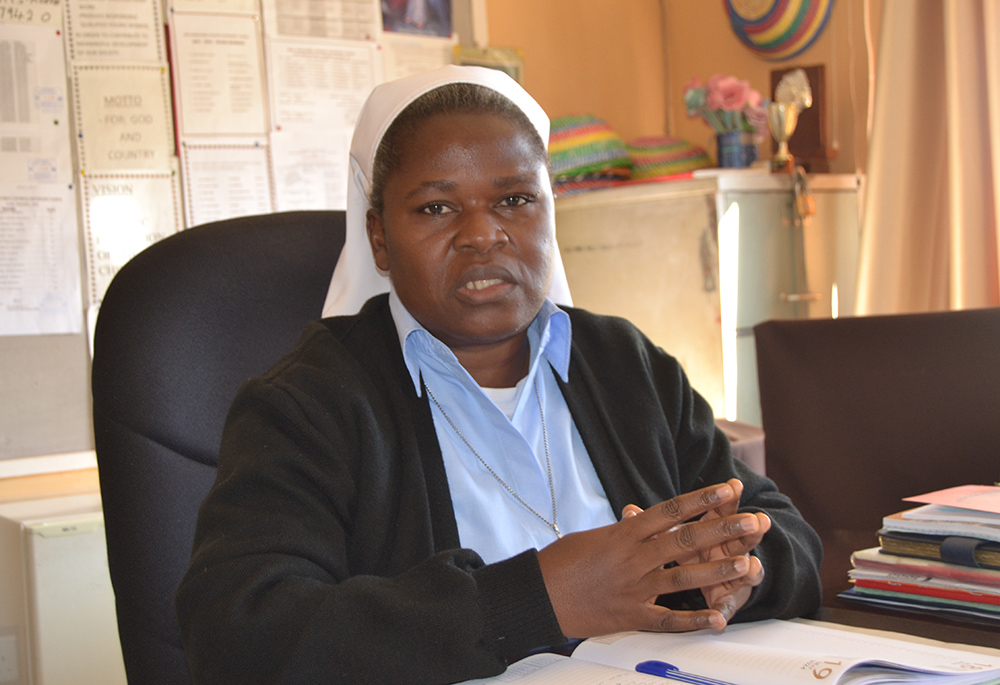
663	620
631	510
666	581
733	505
672	512
728	603
728	597
702	538
746	543
754	577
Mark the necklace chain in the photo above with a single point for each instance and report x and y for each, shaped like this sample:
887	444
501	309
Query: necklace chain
554	523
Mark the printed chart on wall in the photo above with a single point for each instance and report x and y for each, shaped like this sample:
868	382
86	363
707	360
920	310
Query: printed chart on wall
216	6
310	169
319	84
39	256
317	89
218	74
124	214
122	117
118	30
223	180
405	55
345	19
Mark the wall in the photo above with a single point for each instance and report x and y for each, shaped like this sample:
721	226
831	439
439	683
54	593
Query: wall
600	57
627	62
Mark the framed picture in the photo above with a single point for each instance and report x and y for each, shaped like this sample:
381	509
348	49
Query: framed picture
422	17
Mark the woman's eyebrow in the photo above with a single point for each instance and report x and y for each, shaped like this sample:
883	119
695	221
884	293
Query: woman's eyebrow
509	181
442	185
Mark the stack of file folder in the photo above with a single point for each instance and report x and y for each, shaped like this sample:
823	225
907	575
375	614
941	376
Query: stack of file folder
942	557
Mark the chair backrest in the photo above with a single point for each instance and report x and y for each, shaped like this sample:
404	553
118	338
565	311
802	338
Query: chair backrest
859	413
181	327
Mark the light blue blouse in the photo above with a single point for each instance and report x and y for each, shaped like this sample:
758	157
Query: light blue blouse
490	519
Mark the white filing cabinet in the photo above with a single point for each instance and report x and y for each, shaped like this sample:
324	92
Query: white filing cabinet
57	608
787	267
648	252
651	253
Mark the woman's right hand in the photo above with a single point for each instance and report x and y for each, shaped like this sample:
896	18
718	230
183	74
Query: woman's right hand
607	579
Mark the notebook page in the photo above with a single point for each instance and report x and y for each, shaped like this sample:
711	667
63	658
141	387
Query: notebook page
553	669
781	652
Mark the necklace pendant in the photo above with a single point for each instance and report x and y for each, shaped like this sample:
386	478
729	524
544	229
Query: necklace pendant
556	529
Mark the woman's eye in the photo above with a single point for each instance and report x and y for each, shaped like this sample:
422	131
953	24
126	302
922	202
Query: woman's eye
514	201
435	208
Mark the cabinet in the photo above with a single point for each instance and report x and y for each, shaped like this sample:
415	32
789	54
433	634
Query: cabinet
649	253
779	265
57	608
697	263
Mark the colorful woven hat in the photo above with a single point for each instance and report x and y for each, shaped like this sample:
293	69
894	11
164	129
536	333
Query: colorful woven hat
655	156
778	29
584	144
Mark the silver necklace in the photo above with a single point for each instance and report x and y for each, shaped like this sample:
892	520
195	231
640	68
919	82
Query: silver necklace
554	523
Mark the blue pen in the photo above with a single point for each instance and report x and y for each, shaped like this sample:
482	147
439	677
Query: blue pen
671	672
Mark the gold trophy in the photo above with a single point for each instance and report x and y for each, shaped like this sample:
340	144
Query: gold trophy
792	95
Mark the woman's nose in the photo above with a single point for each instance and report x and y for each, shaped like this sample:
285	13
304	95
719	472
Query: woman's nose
480	230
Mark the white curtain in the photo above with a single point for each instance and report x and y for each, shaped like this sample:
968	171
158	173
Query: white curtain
931	233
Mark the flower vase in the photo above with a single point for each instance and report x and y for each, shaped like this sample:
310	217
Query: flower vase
737	149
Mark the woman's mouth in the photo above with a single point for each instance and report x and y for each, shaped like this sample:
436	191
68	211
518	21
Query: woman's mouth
483	284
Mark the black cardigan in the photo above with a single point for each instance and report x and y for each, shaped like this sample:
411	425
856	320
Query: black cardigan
327	550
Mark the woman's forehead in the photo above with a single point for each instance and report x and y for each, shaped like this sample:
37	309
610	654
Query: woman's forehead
444	132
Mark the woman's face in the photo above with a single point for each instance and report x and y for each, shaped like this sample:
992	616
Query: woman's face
467	232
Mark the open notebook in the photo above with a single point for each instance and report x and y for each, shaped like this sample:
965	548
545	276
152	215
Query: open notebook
765	653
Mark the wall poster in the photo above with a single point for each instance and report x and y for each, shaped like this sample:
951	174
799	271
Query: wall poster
123	214
405	55
343	19
218	74
40	289
122	116
310	169
319	84
225	179
39	261
114	30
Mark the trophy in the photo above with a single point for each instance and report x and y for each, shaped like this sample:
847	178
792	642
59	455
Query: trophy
792	95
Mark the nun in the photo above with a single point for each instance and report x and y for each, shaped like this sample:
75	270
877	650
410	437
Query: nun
455	467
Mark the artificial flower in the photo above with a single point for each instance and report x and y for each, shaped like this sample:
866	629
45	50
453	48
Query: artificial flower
726	103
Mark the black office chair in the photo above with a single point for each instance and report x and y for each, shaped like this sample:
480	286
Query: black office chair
181	327
859	413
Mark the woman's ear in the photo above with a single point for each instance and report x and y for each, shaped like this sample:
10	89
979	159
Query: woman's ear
376	237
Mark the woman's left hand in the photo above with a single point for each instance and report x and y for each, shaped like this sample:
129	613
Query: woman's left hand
726	597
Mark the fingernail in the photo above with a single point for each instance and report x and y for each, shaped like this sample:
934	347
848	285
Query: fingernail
748	523
741	565
723	492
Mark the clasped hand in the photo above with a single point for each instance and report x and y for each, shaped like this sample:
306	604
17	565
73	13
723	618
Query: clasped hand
607	579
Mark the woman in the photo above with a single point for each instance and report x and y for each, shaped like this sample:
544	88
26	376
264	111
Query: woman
425	490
